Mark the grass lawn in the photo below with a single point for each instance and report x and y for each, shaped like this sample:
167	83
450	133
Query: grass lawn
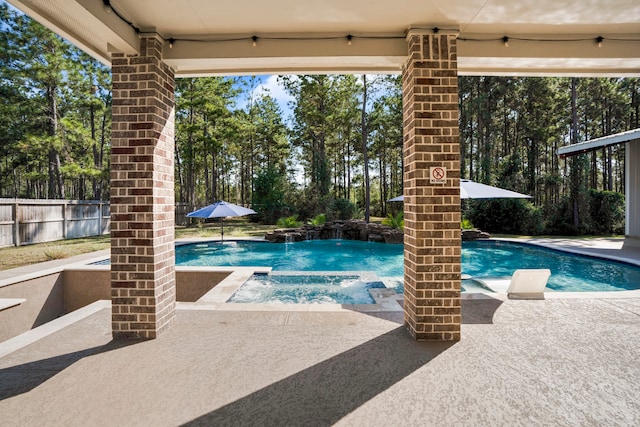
12	257
233	227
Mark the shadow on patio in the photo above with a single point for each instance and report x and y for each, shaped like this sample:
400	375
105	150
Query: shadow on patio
23	378
324	393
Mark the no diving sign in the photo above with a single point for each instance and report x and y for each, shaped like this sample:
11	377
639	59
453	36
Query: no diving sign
438	175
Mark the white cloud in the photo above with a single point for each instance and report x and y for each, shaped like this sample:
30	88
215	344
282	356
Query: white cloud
271	86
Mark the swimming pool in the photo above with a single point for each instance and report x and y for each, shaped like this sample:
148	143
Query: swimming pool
311	255
480	259
569	272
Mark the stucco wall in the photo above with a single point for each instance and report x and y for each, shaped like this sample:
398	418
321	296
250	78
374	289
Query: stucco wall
192	284
44	302
54	294
87	284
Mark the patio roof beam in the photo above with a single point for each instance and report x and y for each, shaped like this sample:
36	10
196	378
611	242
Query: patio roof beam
278	53
479	54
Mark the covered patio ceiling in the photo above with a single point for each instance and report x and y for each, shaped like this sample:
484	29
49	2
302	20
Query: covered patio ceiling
225	37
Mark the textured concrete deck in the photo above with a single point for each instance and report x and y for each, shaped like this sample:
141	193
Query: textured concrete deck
551	362
570	360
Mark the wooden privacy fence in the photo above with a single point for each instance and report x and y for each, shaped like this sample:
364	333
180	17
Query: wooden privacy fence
26	221
182	209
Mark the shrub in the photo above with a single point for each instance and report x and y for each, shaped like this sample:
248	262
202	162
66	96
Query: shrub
466	224
396	221
342	209
55	253
600	212
607	212
289	222
532	220
559	218
319	219
510	216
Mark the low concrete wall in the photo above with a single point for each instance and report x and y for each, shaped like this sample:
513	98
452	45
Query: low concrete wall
58	292
87	284
193	282
44	302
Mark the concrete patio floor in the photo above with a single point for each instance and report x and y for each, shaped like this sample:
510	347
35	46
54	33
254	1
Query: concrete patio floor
560	361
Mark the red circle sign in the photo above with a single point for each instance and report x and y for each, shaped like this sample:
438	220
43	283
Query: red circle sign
438	173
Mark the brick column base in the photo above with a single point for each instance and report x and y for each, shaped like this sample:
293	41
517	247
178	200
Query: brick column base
432	243
142	193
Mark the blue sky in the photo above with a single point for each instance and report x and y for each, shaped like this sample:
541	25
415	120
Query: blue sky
270	84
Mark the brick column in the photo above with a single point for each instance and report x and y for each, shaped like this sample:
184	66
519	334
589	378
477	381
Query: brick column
142	193
432	243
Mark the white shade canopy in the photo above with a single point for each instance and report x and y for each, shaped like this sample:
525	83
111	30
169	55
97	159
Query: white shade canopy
475	190
221	209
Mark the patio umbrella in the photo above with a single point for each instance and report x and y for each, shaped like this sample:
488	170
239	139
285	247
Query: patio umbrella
475	190
221	210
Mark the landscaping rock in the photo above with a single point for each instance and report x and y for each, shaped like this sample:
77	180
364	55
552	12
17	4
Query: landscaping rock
394	236
474	234
356	229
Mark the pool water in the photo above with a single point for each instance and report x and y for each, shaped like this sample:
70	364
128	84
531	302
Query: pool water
305	289
569	272
311	255
480	259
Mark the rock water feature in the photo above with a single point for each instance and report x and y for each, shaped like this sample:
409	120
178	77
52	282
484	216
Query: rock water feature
348	230
352	230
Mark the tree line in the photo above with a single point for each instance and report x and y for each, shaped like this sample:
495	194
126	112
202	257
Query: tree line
339	152
510	131
55	110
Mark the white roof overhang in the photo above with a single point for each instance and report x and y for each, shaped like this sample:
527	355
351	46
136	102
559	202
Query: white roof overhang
595	144
545	37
